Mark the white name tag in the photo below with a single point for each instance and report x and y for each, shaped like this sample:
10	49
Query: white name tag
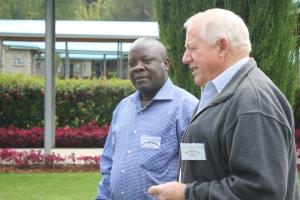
192	151
150	142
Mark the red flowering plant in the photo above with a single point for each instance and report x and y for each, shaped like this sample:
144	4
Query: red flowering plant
89	160
88	135
26	159
36	159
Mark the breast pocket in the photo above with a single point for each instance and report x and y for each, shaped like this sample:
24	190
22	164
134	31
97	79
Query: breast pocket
156	152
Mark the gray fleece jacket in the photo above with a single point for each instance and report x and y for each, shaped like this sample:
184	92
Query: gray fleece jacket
248	137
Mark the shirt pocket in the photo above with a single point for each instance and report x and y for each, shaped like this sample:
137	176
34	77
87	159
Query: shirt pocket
157	159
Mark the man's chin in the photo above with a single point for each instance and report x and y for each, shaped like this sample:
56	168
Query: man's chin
198	82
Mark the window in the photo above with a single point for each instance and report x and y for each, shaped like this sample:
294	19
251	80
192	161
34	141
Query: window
18	61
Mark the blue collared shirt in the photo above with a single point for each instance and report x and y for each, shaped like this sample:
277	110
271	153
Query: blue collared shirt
142	146
214	87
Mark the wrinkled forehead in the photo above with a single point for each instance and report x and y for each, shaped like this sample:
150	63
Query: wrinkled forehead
192	34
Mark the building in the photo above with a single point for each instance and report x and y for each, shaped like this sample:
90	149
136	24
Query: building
83	48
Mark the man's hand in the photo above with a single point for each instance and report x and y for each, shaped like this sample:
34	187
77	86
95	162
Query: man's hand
168	191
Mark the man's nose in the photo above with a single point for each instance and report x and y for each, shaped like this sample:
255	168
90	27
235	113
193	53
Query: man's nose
186	58
139	66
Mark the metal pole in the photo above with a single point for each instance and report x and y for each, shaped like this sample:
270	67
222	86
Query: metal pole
104	67
67	61
49	139
1	56
121	60
119	70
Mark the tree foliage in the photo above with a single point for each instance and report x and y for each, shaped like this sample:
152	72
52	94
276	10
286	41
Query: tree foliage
171	15
19	9
272	34
70	9
35	9
129	10
273	39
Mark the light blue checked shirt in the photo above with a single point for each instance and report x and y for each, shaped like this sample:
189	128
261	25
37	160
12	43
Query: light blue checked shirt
214	87
142	146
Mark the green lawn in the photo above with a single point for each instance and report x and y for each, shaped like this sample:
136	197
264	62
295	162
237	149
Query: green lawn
49	186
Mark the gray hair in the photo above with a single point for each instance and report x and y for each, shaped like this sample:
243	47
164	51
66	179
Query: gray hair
219	23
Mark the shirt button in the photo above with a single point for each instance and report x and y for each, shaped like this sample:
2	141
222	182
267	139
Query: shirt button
134	131
122	192
128	151
123	171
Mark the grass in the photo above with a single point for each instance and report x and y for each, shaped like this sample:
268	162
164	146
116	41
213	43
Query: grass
49	186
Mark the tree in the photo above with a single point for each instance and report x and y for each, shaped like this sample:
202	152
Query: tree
130	10
93	9
65	10
272	34
171	15
18	9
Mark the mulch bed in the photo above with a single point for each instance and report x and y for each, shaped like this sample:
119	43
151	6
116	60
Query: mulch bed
45	169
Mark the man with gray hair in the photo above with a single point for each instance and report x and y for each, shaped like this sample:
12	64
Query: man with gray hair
240	142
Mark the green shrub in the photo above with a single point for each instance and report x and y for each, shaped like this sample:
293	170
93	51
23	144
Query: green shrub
77	101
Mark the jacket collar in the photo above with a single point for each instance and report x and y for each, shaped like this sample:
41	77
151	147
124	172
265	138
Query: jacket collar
231	87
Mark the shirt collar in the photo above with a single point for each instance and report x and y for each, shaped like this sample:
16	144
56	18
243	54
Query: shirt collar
165	93
223	79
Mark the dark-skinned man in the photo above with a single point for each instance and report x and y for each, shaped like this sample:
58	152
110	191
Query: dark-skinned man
142	147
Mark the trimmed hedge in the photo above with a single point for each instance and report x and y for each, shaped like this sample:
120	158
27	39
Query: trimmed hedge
77	101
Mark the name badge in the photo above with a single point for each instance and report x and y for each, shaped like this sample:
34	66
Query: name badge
192	151
150	142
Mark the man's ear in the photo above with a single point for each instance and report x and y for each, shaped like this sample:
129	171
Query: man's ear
167	64
224	46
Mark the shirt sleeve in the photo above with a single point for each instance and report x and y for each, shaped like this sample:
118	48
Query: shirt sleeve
259	152
187	109
105	168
